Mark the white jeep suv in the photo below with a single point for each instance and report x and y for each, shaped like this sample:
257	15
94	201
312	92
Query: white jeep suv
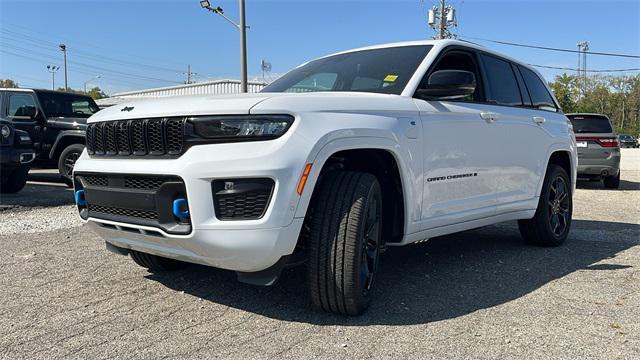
343	156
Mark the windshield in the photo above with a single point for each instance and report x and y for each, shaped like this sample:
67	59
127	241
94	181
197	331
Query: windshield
67	105
385	71
590	124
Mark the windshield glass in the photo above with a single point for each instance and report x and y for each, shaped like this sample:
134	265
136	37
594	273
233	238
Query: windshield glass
67	105
590	124
385	71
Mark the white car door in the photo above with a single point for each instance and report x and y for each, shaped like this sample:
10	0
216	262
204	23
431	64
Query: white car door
460	152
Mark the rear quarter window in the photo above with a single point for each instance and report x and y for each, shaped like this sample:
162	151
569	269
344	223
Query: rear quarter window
540	97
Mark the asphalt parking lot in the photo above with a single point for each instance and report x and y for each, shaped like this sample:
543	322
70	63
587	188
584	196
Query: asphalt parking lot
479	294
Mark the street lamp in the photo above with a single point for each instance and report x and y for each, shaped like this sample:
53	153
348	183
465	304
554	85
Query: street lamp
88	81
243	37
53	69
63	48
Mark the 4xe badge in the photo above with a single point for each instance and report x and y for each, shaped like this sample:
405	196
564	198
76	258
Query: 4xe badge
127	108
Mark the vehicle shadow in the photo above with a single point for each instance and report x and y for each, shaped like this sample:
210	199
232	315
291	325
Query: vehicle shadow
594	185
443	278
42	190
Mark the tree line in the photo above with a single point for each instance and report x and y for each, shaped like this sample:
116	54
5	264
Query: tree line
615	96
95	92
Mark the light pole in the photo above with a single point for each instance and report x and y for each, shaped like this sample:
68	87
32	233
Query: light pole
63	47
88	81
53	69
243	37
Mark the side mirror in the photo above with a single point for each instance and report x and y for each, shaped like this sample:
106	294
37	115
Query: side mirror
448	85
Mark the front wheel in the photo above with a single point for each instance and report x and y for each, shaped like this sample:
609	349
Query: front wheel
345	241
552	221
14	181
67	161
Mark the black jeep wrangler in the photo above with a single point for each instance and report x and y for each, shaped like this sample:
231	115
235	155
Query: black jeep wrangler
56	122
16	153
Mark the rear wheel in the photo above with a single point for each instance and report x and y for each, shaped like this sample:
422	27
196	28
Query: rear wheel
14	181
345	241
612	182
67	161
552	221
155	263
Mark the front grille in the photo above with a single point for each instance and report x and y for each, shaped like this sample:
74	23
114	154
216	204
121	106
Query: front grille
96	180
144	183
242	199
132	213
145	137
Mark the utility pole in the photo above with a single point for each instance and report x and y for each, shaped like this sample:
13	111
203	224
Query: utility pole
441	19
63	47
190	75
90	80
243	37
583	47
53	69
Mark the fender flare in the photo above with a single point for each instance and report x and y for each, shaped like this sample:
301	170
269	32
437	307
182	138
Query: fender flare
65	134
573	158
320	154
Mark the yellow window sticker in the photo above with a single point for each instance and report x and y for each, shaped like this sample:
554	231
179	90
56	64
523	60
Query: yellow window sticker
391	78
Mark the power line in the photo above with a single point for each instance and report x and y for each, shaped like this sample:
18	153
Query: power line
554	49
595	70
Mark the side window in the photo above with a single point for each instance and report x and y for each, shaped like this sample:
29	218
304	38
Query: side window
459	60
21	107
540	97
502	84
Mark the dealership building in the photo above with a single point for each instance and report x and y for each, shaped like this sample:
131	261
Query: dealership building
213	87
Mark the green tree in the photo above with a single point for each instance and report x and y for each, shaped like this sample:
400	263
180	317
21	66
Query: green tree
8	83
96	93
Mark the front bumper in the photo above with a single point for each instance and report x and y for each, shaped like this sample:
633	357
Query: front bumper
12	157
239	245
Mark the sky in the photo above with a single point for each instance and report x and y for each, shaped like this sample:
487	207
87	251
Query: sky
149	43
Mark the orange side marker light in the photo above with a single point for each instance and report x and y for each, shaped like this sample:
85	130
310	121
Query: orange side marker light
303	178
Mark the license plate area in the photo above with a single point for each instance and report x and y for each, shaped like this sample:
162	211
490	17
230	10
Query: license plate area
582	144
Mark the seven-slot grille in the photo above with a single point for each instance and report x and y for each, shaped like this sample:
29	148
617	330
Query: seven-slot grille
146	137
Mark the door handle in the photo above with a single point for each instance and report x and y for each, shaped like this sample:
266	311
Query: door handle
489	116
539	120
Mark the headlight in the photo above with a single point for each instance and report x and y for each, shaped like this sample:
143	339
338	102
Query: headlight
239	128
6	131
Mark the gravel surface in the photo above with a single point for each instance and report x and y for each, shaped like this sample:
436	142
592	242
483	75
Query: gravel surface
480	294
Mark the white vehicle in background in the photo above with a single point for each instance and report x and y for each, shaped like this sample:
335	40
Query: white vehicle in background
341	157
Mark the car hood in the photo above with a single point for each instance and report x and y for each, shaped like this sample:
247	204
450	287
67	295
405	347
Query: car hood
239	104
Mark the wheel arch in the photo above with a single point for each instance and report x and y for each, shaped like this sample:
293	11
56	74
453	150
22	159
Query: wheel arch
378	156
565	158
64	139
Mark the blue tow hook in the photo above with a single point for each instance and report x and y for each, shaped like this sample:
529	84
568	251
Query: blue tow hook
181	209
80	200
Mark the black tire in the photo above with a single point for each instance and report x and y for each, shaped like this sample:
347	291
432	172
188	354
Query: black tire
344	242
612	182
67	161
155	263
15	181
551	224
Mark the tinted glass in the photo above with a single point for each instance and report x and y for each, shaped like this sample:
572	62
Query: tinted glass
526	99
378	71
590	124
67	105
19	105
540	96
502	83
457	60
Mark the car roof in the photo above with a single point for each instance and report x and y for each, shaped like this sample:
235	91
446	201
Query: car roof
16	89
588	114
436	43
